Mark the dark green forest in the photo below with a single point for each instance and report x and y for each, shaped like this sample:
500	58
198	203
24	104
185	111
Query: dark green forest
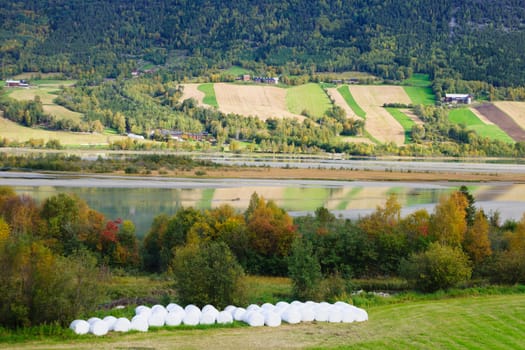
470	40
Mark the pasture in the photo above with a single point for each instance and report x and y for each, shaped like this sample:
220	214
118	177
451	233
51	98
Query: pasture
309	98
466	117
261	100
379	122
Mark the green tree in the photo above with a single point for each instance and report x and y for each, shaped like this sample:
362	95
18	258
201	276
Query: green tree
208	273
304	270
439	267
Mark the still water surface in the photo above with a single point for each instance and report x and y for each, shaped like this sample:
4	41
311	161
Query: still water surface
141	199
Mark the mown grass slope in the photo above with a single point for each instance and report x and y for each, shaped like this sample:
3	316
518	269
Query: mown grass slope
209	94
345	92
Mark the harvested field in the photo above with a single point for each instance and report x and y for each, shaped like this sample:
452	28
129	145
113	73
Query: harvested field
503	120
192	91
379	123
515	110
260	101
340	101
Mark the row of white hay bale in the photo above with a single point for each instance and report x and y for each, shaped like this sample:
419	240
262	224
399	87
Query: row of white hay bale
254	315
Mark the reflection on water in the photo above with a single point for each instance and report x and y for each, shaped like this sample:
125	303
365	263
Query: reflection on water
141	205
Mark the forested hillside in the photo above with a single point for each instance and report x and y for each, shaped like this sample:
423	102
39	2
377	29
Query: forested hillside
472	39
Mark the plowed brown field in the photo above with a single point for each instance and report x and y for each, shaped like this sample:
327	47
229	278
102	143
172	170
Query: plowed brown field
503	120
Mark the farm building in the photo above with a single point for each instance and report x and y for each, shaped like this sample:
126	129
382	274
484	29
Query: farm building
458	98
266	80
16	83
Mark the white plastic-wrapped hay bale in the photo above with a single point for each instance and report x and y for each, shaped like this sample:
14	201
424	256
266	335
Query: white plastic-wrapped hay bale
238	315
253	307
224	317
208	317
192	316
174	318
231	309
291	315
110	321
208	314
335	314
321	313
93	320
254	318
272	319
98	328
79	326
139	323
360	314
122	325
267	307
282	304
173	307
307	313
143	310
157	318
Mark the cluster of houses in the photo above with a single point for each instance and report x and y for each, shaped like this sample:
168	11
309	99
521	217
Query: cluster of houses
17	83
181	136
263	80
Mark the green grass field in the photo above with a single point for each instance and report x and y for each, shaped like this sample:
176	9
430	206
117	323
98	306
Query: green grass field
236	70
405	122
308	97
209	94
476	322
472	122
345	92
419	89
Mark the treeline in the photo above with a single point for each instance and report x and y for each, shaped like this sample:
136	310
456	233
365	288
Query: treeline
196	38
65	248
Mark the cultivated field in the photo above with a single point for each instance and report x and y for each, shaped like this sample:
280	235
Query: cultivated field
16	132
379	123
262	101
310	98
192	91
502	119
515	110
340	101
46	91
470	119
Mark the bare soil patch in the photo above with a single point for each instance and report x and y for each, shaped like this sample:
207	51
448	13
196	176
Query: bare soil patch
379	123
192	91
503	120
252	100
